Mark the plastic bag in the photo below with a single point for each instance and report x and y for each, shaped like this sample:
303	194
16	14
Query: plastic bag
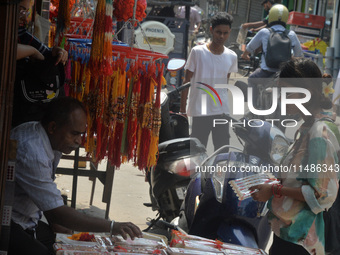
316	44
242	35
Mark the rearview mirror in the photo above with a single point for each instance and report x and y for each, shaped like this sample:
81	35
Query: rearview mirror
175	64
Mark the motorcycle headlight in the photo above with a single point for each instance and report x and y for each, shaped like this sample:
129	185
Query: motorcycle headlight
218	179
278	149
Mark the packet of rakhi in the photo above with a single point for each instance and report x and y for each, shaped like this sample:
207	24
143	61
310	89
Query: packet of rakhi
241	186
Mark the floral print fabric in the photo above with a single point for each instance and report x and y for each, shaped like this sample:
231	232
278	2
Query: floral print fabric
313	163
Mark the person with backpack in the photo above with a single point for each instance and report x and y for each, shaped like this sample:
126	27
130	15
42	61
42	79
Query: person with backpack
277	44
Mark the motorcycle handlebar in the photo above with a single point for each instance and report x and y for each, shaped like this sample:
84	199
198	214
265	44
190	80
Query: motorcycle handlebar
179	89
184	86
168	225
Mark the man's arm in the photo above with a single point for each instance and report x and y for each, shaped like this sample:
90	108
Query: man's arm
297	50
197	19
254	44
72	219
253	24
245	55
184	93
259	28
197	29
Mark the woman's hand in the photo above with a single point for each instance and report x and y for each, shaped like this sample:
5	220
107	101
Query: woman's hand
61	54
24	51
263	193
37	55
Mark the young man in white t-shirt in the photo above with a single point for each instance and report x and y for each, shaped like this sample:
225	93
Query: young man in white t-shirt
208	67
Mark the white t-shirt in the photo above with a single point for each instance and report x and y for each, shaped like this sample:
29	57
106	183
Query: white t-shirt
209	69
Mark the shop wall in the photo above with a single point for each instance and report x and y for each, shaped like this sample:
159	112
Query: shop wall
244	11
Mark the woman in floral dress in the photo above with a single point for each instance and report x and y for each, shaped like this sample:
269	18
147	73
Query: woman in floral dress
310	187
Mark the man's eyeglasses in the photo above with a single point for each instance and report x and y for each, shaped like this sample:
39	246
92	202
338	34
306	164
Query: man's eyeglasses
23	11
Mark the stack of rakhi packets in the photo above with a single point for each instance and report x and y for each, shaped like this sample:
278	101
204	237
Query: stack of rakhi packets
102	244
137	246
241	186
81	249
195	245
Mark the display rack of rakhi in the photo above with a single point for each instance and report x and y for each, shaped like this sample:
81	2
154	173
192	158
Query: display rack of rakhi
123	108
117	85
241	186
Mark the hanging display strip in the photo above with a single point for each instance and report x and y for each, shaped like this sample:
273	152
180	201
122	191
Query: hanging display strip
80	27
123	108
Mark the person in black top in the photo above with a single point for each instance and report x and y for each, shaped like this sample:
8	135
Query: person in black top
26	38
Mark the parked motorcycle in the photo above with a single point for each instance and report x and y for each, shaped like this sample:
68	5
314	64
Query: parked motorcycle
177	159
212	209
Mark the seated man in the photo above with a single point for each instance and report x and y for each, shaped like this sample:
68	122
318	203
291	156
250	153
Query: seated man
39	149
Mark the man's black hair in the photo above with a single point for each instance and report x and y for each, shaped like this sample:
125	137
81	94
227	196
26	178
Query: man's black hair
266	1
221	18
60	109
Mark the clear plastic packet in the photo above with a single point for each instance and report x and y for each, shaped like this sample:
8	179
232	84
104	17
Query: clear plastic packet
241	186
179	251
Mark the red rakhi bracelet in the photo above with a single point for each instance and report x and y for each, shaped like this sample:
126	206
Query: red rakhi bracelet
279	192
278	189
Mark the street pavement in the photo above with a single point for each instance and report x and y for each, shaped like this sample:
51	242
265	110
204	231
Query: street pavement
129	192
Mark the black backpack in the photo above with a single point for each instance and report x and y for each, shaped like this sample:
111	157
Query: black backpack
36	84
278	48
